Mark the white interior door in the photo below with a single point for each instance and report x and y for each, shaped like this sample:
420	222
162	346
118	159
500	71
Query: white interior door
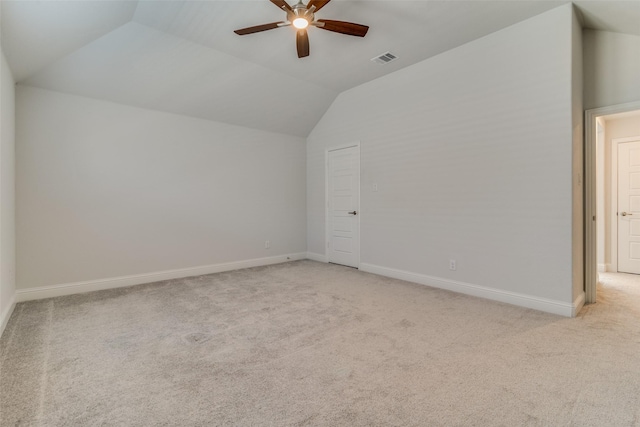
343	203
629	207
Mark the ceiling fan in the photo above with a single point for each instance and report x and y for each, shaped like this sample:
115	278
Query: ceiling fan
301	17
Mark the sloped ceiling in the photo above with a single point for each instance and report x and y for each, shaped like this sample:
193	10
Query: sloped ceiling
183	57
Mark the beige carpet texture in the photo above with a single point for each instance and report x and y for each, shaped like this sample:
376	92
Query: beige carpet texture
312	344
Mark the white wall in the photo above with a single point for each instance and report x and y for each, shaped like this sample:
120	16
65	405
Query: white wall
473	156
611	68
7	192
106	190
577	114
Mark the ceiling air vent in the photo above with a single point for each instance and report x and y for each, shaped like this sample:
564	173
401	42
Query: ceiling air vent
385	58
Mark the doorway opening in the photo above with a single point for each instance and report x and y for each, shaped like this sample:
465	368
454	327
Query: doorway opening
611	178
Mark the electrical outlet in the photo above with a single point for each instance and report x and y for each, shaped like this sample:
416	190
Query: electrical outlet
267	244
452	264
375	186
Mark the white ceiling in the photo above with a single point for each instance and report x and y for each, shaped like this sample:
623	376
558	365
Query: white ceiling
183	57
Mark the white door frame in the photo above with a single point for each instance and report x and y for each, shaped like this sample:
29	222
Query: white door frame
590	260
327	224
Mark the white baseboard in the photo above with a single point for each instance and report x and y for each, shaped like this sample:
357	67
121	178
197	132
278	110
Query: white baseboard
6	314
119	282
602	268
578	304
317	257
522	300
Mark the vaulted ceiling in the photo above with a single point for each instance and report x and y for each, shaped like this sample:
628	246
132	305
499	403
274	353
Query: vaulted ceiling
183	57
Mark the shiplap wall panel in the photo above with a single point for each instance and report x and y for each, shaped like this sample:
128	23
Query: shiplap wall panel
472	154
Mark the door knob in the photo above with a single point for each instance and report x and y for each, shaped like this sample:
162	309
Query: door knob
353	213
625	214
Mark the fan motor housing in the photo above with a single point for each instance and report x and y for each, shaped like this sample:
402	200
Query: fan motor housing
300	11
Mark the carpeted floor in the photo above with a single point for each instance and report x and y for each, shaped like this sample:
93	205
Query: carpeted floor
306	343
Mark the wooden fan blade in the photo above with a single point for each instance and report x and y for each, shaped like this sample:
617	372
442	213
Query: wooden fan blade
344	27
282	4
258	28
302	42
319	4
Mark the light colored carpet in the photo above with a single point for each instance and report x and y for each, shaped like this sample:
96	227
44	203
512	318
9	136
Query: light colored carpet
306	343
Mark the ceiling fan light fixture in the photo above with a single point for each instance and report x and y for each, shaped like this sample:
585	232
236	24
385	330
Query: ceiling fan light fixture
301	17
300	23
